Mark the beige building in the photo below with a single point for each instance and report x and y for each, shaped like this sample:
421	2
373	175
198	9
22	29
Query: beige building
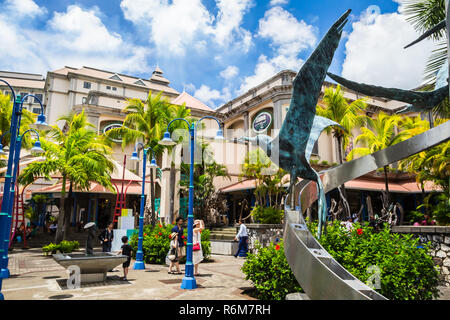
23	84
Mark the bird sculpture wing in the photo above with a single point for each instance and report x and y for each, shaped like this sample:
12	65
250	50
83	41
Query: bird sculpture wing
319	124
419	99
307	85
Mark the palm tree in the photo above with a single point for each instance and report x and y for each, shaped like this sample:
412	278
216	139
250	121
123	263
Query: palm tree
382	134
423	15
147	121
348	115
429	165
79	155
6	107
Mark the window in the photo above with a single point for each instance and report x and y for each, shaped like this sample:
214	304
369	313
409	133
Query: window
87	85
39	96
114	89
315	149
6	93
115	77
108	87
23	94
36	110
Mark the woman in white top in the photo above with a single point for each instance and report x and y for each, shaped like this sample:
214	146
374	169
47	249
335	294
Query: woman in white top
197	255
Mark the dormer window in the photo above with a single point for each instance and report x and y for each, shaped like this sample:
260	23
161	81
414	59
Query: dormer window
115	77
140	82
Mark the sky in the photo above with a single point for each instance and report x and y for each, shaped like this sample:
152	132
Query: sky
215	50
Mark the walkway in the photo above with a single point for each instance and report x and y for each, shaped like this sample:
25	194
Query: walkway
36	277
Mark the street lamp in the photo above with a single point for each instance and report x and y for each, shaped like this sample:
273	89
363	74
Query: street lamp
11	171
189	280
139	264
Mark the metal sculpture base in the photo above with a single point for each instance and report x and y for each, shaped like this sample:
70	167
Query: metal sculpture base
320	276
93	268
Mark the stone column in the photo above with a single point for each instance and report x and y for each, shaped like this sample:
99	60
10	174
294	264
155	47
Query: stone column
165	186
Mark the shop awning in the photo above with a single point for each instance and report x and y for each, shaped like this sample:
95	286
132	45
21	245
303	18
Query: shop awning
355	184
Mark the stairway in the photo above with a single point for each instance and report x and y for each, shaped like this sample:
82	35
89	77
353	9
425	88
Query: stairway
223	233
42	239
222	240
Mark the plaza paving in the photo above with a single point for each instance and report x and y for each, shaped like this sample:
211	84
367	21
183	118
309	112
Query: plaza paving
37	277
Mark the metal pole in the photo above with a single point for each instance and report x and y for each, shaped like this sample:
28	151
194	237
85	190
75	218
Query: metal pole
5	214
139	264
189	280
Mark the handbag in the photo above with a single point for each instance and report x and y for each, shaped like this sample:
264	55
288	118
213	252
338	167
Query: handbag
196	247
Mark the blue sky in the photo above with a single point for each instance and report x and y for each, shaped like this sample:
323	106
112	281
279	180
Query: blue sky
213	49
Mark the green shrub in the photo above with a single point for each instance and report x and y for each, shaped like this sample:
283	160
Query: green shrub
269	215
156	243
407	268
64	247
325	163
270	273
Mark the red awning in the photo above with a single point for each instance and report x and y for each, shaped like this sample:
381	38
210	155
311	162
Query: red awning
355	184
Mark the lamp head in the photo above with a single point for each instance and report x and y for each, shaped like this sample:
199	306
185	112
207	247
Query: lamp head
219	135
167	140
2	152
134	156
40	123
153	163
37	150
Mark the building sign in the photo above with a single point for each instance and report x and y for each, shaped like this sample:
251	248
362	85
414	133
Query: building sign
262	122
111	125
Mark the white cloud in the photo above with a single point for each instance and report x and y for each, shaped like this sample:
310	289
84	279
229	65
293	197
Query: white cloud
229	19
285	32
211	96
278	2
75	37
179	25
375	54
24	8
288	38
229	72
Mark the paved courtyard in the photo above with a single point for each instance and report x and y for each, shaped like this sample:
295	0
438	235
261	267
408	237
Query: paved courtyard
37	277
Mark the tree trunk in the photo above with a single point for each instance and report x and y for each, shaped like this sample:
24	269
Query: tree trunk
386	182
68	212
61	217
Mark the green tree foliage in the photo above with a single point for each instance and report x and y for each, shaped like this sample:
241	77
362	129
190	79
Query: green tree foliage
348	115
269	191
6	107
147	121
380	134
406	265
156	243
78	155
206	197
270	273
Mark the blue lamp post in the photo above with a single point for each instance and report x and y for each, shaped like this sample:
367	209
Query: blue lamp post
11	171
189	280
139	264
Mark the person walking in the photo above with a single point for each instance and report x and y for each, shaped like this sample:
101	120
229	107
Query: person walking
126	250
106	237
242	237
197	252
178	229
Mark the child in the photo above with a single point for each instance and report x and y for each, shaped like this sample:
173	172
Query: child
126	251
173	254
